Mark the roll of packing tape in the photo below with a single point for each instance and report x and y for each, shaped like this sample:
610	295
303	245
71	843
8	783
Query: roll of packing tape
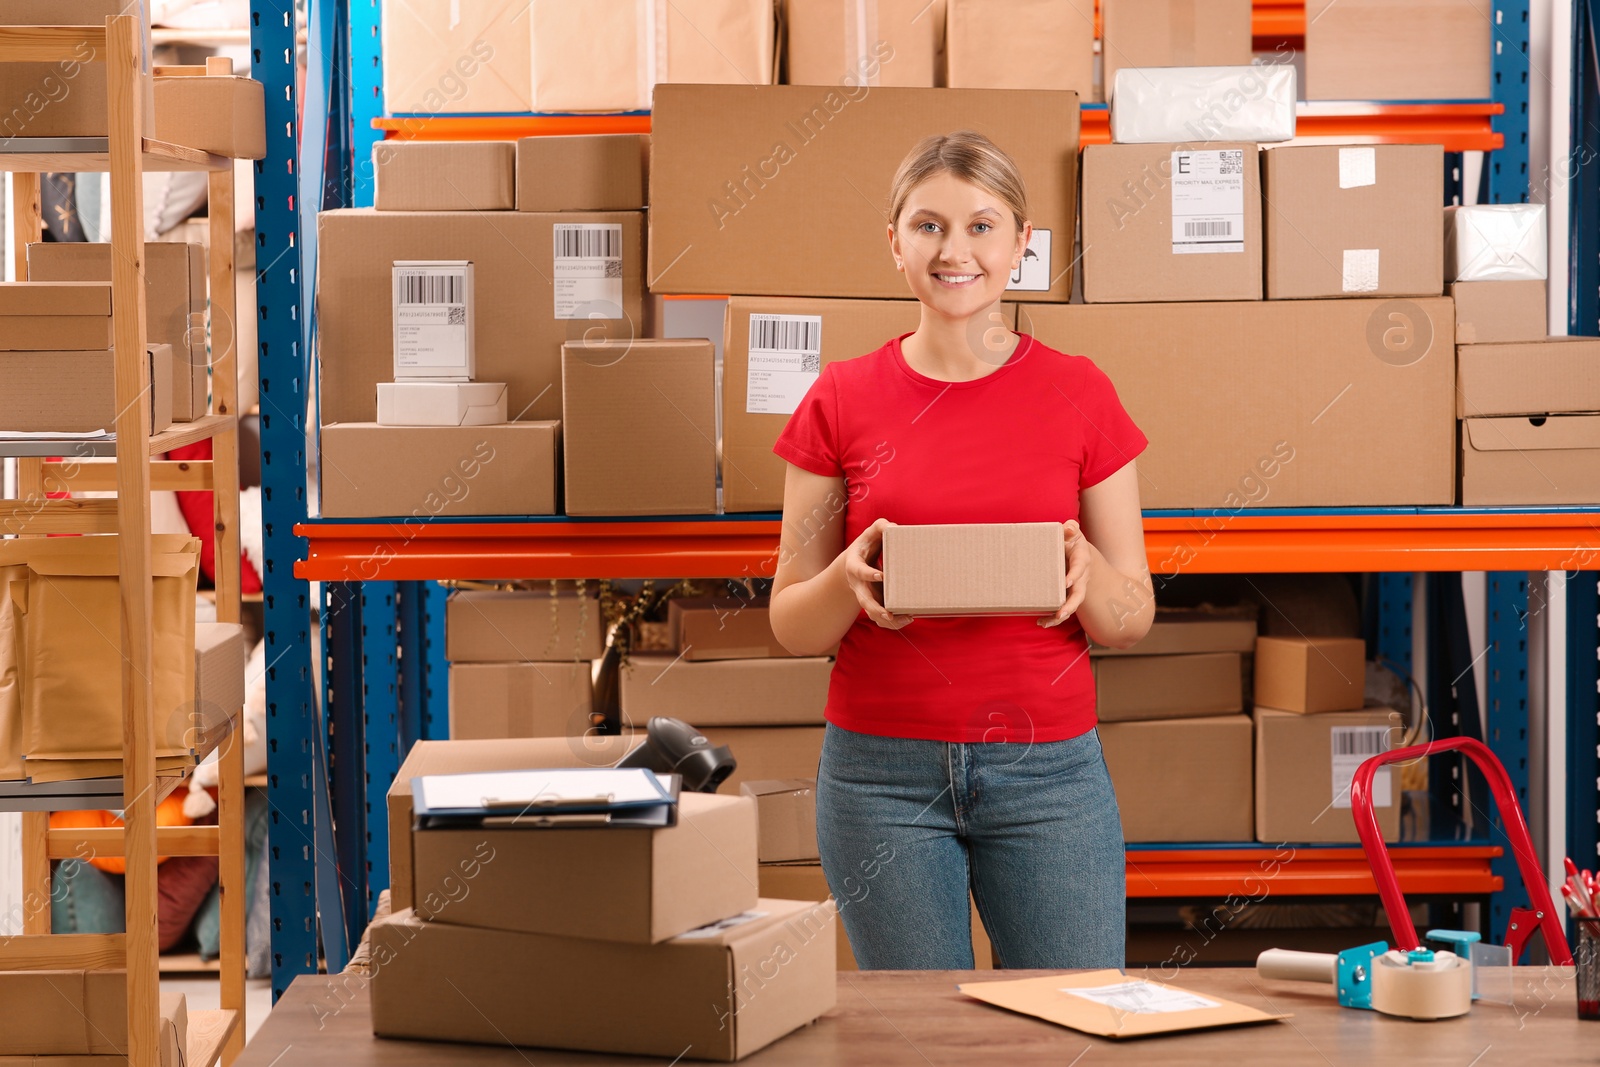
1440	988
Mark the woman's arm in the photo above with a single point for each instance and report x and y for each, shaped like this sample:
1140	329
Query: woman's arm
821	585
1111	593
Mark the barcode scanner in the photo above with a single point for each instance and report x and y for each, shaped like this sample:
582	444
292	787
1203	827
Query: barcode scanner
672	746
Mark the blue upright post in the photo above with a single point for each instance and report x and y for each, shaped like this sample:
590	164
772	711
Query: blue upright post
1395	599
1583	189
366	92
435	668
1505	170
1583	722
1506	722
380	704
409	595
342	905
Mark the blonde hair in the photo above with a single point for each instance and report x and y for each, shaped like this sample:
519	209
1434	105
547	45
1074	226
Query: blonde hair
968	155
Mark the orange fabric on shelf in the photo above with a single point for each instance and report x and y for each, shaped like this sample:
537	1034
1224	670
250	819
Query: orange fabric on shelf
168	813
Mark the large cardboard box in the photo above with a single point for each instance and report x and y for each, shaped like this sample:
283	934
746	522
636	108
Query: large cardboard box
607	883
1399	49
1344	220
483	626
1169	222
520	699
596	172
67	1018
885	42
372	471
442	56
221	114
729	692
1521	460
1172	33
1489	312
974	569
444	175
461	757
534	291
219	663
706	628
1167	687
75	392
1020	44
640	427
1183	779
773	349
782	191
786	819
1530	378
768	752
716	994
1202	629
1304	764
174	304
1316	403
64	98
1310	674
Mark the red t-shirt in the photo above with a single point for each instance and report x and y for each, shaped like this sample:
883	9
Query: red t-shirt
1016	445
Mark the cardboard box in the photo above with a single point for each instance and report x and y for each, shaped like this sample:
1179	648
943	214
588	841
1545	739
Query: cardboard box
55	297
640	423
441	403
780	191
1166	222
1489	312
607	55
1556	374
1167	687
42	316
221	114
1496	243
442	57
729	692
490	700
75	392
974	569
1304	764
1399	49
807	880
501	626
372	471
1172	33
1318	403
886	42
592	172
1343	220
1310	674
1191	630
722	628
220	654
522	288
461	757
610	884
65	98
1183	779
1020	44
786	817
765	752
720	995
444	175
1540	460
174	304
70	1018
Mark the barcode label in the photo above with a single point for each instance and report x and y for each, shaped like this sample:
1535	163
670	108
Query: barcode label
588	271
432	289
785	359
1208	229
432	320
1208	201
1350	747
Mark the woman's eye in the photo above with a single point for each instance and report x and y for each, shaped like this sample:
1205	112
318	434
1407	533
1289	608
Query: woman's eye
981	227
928	227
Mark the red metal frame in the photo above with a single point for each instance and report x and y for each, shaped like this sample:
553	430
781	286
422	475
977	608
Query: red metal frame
1278	871
1543	915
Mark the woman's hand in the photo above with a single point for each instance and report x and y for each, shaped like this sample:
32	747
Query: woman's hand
861	573
1076	546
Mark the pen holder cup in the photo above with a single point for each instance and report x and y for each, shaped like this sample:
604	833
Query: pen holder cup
1587	959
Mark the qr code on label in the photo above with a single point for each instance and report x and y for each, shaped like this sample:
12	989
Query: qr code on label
613	268
811	362
1230	161
457	316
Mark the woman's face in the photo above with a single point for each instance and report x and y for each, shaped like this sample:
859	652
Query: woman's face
957	244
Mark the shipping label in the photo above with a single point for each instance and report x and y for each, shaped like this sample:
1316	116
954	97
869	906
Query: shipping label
430	317
588	270
1033	273
1208	201
785	358
1351	747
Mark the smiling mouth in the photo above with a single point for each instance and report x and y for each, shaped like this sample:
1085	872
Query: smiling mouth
955	281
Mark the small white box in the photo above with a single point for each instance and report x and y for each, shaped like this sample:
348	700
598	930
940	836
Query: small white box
433	332
1496	243
1193	105
441	403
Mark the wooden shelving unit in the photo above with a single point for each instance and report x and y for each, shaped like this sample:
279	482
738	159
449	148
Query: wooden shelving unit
125	154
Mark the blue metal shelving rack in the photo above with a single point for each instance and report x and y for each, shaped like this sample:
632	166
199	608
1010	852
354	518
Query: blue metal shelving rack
385	678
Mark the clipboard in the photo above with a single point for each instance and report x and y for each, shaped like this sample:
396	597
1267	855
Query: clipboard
542	798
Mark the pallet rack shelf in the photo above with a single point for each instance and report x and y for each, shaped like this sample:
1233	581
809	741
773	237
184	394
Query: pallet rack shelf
125	154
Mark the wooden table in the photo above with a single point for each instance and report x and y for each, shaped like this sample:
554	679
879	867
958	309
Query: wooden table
918	1019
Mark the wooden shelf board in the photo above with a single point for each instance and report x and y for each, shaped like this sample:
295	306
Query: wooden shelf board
40	155
208	1032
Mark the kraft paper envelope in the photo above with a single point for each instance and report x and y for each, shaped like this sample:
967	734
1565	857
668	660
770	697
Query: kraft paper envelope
1112	1004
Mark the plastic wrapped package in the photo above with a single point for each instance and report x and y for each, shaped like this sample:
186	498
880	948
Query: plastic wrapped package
1157	105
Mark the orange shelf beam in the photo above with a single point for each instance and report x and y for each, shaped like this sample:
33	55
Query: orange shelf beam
504	127
408	550
1287	871
1277	20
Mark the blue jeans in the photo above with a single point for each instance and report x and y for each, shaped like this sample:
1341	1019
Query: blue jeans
906	827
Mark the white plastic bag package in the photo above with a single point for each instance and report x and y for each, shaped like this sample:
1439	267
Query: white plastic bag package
1496	243
1160	105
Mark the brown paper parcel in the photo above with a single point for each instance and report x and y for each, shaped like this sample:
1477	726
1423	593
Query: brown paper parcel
10	676
71	664
1141	1010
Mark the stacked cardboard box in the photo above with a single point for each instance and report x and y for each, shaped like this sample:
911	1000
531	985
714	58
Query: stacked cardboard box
667	921
1399	49
77	1017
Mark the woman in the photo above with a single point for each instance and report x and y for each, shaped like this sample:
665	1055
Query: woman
961	752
